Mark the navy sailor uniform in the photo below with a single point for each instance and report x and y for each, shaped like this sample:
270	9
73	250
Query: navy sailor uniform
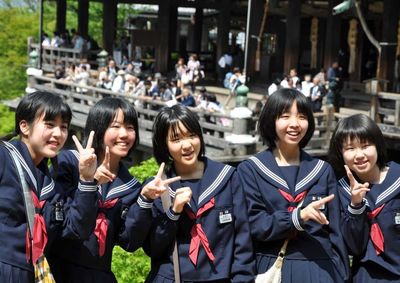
372	231
15	252
212	232
123	218
315	253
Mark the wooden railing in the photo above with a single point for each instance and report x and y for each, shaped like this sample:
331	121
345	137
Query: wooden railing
51	56
217	128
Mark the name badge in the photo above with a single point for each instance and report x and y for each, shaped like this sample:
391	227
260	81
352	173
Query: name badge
315	198
225	217
397	218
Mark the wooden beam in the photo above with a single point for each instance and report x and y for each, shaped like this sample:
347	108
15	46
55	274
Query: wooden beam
292	42
109	24
83	17
61	12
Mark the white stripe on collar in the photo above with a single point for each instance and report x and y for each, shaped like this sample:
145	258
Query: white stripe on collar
268	172
48	188
23	163
310	175
122	188
214	184
388	191
347	189
75	152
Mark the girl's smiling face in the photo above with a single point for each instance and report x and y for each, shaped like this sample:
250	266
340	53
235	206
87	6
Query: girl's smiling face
44	138
291	126
183	146
360	156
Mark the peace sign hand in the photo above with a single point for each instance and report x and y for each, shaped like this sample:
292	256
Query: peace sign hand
103	174
87	158
157	186
313	212
357	189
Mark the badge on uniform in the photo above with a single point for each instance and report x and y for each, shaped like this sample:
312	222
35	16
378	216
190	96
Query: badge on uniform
315	198
59	212
397	218
225	217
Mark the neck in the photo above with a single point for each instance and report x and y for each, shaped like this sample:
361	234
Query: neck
190	172
375	176
287	156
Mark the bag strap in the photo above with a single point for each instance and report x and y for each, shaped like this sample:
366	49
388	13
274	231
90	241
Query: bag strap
29	207
166	203
282	252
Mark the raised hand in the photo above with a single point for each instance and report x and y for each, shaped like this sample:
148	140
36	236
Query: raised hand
357	189
87	158
157	186
103	174
313	212
182	197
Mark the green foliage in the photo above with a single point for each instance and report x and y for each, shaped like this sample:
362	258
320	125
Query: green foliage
16	26
7	120
128	267
145	170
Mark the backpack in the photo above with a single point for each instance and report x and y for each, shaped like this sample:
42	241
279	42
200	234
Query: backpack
227	79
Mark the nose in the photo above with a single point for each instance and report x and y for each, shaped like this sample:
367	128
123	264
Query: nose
57	131
123	132
186	143
359	153
294	122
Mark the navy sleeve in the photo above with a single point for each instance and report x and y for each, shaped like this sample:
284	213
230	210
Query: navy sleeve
340	255
162	233
355	225
266	223
243	266
79	199
137	223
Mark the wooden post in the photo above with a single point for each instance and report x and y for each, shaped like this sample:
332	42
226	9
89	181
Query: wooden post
83	17
292	45
109	24
223	28
162	49
332	39
61	15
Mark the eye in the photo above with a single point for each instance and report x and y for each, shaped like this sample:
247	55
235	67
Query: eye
302	117
49	124
284	116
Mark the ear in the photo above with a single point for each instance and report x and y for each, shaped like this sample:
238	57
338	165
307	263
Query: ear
24	127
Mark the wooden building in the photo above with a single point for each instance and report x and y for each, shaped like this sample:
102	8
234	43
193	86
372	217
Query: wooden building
302	34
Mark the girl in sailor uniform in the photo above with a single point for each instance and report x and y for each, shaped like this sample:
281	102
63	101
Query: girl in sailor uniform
369	189
207	218
41	121
291	195
124	209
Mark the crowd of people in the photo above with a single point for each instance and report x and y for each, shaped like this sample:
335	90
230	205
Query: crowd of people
197	219
321	89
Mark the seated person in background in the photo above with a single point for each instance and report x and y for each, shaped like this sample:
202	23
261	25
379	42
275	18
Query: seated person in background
103	80
186	98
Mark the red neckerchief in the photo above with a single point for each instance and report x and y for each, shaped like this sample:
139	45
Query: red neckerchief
39	237
376	232
102	225
198	235
293	202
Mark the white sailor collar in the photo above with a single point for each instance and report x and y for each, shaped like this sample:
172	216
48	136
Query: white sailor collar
310	170
383	192
215	176
31	171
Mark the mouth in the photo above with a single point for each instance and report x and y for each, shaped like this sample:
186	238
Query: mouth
188	155
53	144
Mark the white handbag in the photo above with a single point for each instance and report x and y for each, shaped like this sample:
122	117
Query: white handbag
274	273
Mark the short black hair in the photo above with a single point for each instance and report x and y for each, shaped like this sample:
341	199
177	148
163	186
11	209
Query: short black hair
33	105
102	114
361	127
169	117
277	104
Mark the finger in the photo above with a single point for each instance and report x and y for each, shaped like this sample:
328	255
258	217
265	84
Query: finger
171	180
322	201
90	140
350	176
160	171
106	161
77	144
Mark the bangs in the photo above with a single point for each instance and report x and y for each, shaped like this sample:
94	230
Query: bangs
57	110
